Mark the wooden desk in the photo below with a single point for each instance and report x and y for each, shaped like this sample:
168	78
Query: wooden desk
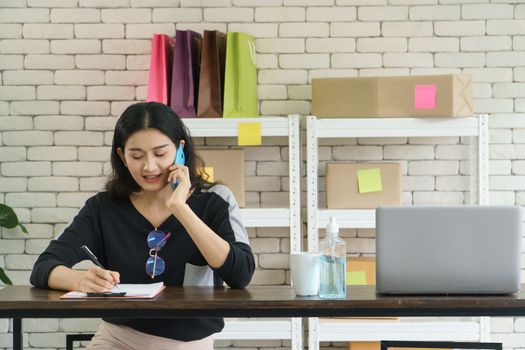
19	302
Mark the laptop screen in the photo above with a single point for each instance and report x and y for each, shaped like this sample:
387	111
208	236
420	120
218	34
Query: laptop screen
448	250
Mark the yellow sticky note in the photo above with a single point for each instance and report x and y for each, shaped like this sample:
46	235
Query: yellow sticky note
356	278
369	180
249	134
206	173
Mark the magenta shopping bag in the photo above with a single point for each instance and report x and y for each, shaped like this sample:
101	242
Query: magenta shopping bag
185	77
161	63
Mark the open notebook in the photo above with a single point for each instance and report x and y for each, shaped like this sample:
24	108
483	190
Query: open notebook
137	291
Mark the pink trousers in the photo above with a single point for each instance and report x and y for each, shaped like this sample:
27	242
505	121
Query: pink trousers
112	336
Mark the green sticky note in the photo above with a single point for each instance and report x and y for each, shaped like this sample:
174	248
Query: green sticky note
356	278
369	180
249	134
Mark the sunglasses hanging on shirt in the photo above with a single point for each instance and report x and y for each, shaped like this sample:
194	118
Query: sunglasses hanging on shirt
155	264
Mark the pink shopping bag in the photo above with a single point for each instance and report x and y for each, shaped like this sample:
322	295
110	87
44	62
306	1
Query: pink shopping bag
161	63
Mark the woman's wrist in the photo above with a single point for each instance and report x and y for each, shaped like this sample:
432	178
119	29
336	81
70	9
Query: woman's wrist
64	278
178	210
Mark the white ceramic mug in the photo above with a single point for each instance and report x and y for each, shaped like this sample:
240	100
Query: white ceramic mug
304	267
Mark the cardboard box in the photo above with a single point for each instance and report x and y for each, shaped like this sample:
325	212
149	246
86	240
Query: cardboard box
360	271
227	167
364	345
346	182
449	95
375	345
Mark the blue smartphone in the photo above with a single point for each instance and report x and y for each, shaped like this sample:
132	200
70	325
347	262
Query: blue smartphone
180	159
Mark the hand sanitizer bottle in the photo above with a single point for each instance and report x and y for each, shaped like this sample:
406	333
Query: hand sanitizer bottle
332	251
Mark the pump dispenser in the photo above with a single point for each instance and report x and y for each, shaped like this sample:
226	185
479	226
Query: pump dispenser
333	263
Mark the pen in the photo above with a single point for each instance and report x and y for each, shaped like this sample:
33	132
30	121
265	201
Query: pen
93	258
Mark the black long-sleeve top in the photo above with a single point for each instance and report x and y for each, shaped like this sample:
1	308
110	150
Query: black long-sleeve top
116	233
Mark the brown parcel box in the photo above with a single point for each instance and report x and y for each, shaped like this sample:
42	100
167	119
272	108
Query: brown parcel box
228	168
365	264
375	345
342	188
392	96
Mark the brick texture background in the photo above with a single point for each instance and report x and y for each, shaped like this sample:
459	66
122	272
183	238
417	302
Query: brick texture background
68	68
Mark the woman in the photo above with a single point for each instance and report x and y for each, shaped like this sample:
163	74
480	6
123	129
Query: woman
144	231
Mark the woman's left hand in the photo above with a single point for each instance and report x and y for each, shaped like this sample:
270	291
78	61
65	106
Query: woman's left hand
178	198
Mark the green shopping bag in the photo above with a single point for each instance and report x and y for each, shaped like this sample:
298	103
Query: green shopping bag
240	82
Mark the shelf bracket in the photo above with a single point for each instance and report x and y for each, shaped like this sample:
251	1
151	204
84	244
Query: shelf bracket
311	179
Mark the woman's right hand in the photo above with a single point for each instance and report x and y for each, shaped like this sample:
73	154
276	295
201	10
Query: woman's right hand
97	280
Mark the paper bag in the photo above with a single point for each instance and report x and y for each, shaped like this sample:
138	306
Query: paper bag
213	57
185	78
240	86
159	81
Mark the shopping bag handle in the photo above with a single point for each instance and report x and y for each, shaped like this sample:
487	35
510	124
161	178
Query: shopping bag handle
251	48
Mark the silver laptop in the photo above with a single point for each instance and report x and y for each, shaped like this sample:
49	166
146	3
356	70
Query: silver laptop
448	250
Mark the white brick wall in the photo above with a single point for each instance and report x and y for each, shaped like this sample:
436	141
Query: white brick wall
75	15
76	46
68	68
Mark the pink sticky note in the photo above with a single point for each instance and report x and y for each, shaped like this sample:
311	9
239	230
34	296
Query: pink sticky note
425	96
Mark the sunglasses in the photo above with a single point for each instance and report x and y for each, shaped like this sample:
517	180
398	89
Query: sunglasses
156	240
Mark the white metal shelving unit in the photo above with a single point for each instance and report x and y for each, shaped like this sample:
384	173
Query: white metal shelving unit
264	217
355	330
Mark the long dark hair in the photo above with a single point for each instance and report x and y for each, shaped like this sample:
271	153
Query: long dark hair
142	116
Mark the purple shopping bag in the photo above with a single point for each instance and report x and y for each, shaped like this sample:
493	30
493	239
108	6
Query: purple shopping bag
185	78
